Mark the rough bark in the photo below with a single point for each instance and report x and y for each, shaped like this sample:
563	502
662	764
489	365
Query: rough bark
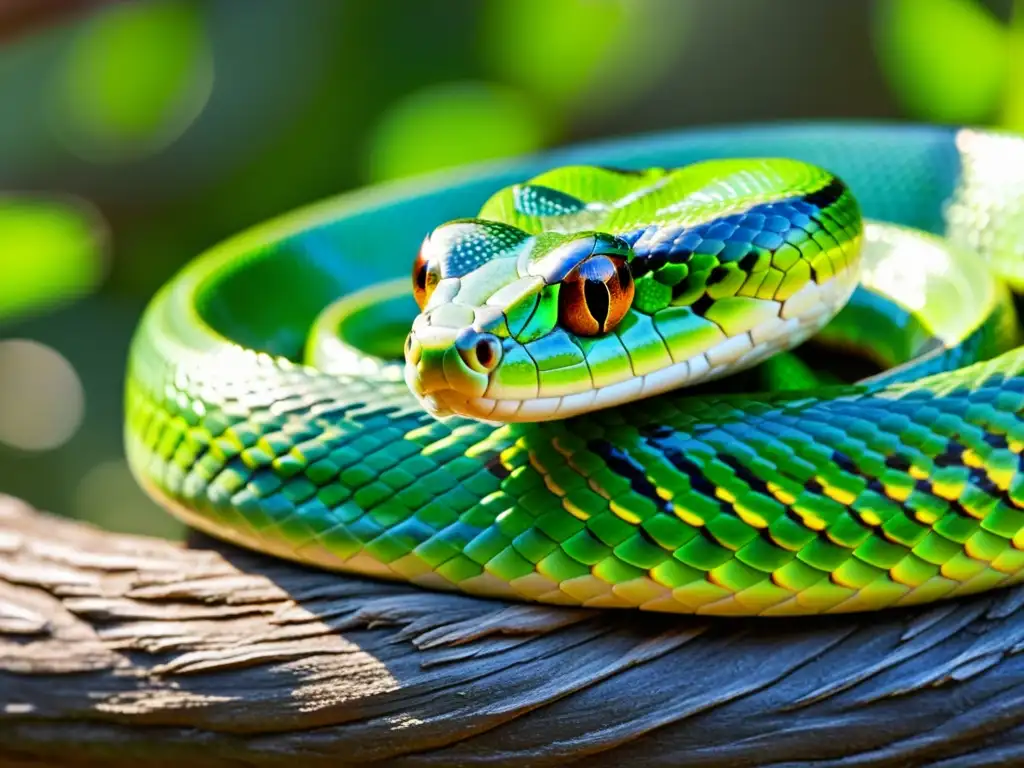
126	651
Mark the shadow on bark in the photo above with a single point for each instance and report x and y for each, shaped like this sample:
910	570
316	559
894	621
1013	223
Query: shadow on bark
123	650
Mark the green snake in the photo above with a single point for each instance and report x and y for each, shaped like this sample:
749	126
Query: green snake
518	419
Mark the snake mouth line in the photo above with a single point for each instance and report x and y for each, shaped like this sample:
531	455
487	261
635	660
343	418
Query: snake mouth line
800	317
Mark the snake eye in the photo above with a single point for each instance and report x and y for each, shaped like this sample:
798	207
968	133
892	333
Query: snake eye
595	296
424	279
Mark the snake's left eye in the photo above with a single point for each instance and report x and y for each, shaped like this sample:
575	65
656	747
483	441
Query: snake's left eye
595	296
424	277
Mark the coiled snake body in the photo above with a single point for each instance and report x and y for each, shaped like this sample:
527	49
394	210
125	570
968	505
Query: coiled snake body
538	442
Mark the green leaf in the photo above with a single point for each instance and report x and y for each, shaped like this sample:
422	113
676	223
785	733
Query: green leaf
50	251
945	60
453	124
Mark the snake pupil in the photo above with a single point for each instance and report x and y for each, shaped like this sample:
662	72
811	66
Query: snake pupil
420	279
595	296
598	300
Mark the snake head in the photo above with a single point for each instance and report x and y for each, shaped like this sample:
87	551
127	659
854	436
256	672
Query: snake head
499	304
545	315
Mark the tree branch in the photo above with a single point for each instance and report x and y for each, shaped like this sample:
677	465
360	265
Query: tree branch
18	17
126	651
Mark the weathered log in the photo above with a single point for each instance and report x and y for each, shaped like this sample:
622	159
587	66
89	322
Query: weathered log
126	651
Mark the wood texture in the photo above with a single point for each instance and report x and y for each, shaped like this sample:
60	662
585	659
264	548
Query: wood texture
126	651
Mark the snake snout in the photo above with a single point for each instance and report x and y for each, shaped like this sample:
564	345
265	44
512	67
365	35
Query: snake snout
446	363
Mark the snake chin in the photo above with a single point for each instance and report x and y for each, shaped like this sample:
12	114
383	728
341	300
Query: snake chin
448	404
441	403
435	404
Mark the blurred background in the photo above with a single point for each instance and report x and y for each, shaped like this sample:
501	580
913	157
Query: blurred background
135	134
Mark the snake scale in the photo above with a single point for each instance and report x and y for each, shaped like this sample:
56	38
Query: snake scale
516	420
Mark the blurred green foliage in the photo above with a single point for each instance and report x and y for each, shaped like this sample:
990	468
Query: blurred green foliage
953	61
132	79
184	121
451	124
1013	109
527	41
50	251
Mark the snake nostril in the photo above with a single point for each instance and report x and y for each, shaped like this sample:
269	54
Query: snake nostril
485	353
480	351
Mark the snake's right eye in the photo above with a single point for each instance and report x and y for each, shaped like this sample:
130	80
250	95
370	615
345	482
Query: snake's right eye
424	279
595	296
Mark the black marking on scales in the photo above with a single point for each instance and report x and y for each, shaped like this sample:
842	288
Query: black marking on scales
632	470
739	237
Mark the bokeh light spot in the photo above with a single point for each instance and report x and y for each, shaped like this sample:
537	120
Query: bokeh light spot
586	54
133	79
50	251
452	124
946	60
41	397
554	48
108	496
